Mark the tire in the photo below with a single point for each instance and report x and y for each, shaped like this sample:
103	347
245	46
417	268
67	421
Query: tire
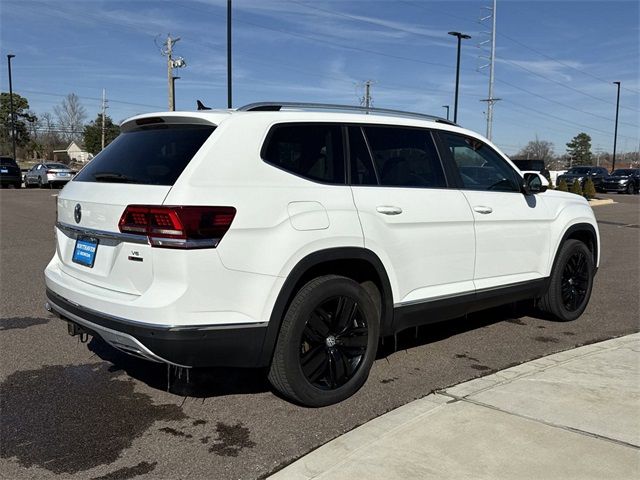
17	185
571	282
630	188
327	342
40	182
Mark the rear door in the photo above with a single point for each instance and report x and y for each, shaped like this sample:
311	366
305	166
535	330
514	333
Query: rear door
511	229
139	167
420	229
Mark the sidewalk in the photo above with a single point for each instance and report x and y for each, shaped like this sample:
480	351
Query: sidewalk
571	415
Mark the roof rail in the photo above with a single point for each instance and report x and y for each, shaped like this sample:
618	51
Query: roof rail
278	106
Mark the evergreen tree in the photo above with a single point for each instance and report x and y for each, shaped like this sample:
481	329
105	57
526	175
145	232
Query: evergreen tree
579	149
589	189
23	118
562	186
93	134
576	188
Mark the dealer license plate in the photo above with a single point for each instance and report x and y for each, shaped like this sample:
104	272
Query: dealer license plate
85	251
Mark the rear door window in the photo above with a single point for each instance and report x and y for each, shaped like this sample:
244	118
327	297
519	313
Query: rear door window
8	162
405	157
153	155
311	150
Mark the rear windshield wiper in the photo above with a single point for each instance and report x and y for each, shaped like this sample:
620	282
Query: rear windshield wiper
114	177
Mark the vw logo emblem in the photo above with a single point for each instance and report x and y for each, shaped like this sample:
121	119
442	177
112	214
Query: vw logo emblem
77	213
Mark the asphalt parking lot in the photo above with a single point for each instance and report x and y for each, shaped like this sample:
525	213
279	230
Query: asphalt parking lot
86	411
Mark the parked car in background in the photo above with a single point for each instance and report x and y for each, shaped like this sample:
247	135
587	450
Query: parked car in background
48	174
622	180
9	173
596	174
532	165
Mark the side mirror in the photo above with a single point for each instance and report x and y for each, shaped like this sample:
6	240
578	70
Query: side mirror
534	183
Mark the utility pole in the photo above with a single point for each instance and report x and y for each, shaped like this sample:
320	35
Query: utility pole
229	98
13	115
615	132
367	94
171	64
104	114
169	44
492	60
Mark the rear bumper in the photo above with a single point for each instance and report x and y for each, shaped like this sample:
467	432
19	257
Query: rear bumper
186	346
9	179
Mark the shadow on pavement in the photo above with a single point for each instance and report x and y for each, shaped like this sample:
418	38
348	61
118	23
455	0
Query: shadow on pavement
222	381
435	332
197	382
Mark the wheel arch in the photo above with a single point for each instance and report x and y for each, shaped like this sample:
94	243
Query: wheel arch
584	232
357	263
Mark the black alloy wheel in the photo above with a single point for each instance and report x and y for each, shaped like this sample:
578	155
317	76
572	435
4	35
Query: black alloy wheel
570	283
327	342
575	281
334	342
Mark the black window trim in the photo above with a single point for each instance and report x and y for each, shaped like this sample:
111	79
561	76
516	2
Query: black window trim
445	170
270	133
446	153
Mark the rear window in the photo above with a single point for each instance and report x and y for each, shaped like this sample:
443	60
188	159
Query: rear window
8	162
56	165
153	155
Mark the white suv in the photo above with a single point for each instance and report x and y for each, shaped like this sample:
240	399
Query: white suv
294	236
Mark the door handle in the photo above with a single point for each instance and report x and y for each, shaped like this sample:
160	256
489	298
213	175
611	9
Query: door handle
389	210
482	209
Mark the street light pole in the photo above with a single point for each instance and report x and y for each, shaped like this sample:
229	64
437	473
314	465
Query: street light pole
13	116
447	107
615	133
460	36
173	91
229	102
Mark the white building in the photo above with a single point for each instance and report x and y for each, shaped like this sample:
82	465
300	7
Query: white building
75	153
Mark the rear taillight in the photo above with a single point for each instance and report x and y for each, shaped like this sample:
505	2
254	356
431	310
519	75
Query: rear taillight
178	227
49	172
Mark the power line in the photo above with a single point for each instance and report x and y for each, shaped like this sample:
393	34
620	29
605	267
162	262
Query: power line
422	7
564	64
517	87
49	94
504	35
324	41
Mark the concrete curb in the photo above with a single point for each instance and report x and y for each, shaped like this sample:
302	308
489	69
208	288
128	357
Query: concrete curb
435	436
595	202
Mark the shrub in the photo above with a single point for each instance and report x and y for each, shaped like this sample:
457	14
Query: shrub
576	188
562	186
589	189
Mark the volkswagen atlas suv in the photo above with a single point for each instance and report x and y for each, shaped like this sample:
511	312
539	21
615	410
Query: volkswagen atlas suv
295	236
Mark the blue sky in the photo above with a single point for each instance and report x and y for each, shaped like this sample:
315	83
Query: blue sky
555	59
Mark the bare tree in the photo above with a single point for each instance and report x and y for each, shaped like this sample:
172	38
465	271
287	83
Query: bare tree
537	150
49	137
71	116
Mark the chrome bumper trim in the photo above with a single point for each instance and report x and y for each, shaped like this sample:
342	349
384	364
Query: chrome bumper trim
119	340
72	231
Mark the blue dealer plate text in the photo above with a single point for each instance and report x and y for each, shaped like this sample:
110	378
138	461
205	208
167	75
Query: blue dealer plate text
85	251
